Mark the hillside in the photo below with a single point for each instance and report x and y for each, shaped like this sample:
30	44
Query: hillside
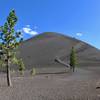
41	51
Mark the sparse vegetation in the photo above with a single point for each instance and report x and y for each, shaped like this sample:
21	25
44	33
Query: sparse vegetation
21	66
73	60
9	42
13	71
33	71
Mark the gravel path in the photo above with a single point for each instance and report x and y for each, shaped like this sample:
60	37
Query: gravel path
80	85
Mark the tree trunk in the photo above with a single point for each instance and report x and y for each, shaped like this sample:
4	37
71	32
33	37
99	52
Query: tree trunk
8	74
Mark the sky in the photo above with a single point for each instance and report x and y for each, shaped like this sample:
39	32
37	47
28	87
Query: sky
76	18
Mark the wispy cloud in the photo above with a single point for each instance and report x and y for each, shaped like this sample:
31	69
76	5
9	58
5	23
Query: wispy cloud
79	34
29	30
27	25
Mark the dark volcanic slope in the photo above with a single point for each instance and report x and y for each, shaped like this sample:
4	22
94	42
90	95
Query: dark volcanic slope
40	51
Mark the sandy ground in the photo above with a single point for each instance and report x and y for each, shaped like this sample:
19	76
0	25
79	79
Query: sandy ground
80	85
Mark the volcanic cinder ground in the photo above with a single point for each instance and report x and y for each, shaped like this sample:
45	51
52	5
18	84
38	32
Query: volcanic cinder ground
53	80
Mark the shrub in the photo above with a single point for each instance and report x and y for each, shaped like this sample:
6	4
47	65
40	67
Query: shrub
33	71
21	67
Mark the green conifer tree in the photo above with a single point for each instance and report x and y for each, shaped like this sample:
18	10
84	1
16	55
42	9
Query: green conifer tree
9	42
73	60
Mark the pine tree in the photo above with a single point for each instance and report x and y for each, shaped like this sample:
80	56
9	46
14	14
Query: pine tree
73	60
9	42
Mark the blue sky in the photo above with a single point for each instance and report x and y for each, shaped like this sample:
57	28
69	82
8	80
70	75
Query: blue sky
76	18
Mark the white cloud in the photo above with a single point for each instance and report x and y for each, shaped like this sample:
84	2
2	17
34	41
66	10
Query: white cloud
79	34
29	31
27	25
26	30
33	33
